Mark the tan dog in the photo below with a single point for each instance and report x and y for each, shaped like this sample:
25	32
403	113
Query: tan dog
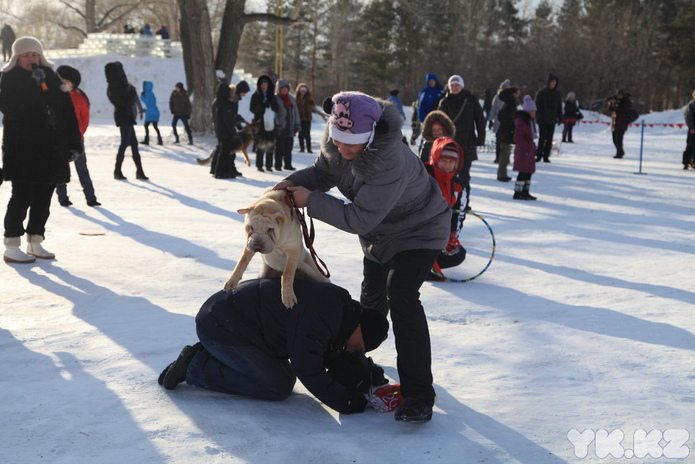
241	142
273	230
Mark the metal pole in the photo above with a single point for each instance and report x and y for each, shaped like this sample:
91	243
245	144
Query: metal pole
641	148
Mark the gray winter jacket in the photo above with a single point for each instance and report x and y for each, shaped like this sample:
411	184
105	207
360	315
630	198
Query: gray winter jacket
287	121
393	204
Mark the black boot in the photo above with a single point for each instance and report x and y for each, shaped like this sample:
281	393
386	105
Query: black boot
527	195
117	174
159	140
139	173
175	373
414	410
146	141
518	190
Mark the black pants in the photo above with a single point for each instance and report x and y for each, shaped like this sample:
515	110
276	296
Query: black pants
524	176
394	287
225	167
545	140
305	136
689	153
283	152
184	120
147	129
464	175
128	139
567	131
31	197
85	181
618	142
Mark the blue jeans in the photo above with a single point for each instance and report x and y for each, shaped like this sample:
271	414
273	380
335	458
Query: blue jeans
240	370
184	120
85	181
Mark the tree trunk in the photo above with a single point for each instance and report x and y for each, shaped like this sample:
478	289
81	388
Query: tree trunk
233	23
198	61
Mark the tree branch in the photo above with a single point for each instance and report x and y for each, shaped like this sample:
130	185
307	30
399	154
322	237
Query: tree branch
73	9
269	18
73	28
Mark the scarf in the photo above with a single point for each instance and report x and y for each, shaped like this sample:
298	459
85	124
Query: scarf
286	98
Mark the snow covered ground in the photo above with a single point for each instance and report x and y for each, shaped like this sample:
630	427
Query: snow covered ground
583	322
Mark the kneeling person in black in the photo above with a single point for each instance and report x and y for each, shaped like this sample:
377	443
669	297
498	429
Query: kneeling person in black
252	345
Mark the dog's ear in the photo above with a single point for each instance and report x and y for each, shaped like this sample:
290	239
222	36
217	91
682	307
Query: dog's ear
244	210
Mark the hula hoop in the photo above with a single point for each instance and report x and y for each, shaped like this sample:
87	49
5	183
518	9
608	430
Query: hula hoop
492	255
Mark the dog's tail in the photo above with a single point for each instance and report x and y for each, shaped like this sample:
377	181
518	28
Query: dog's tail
204	161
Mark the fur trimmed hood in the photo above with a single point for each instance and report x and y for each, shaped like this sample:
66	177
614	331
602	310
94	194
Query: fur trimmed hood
387	136
443	119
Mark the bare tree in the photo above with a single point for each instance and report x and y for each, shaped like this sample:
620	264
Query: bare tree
97	16
233	23
196	40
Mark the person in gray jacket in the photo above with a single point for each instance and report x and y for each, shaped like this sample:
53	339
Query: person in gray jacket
398	213
287	125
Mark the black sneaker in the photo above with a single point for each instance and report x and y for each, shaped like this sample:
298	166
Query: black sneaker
65	203
414	410
175	373
93	203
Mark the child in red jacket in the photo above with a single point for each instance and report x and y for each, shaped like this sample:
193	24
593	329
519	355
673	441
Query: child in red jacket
446	159
71	78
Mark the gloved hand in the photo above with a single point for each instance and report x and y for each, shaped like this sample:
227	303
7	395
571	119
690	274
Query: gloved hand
378	377
352	370
385	398
74	154
39	75
453	246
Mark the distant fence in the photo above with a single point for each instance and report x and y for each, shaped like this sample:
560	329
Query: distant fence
130	45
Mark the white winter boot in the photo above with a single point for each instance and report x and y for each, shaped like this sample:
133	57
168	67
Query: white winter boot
12	252
34	247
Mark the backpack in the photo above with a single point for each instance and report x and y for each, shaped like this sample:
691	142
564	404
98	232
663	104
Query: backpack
632	115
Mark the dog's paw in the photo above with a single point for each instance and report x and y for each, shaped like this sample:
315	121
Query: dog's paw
289	299
231	284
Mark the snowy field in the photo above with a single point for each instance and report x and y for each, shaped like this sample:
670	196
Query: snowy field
583	322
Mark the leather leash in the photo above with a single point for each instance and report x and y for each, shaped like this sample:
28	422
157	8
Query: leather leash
308	235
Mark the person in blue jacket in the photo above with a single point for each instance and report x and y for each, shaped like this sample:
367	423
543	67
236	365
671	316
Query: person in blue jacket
429	96
151	112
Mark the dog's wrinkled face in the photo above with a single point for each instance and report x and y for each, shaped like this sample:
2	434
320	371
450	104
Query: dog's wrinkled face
263	226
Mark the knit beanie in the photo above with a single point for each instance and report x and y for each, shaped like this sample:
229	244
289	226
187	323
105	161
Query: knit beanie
71	74
449	152
506	84
25	45
353	118
456	79
242	87
529	104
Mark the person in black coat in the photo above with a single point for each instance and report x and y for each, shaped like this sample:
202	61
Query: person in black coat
505	132
464	109
125	102
225	109
263	100
41	135
8	37
570	117
549	104
252	345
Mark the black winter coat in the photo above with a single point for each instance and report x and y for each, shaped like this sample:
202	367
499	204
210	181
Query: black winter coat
180	104
505	132
224	113
121	94
470	125
549	103
40	128
571	110
260	100
315	329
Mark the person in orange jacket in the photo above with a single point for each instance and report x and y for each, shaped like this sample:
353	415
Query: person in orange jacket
72	78
446	159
